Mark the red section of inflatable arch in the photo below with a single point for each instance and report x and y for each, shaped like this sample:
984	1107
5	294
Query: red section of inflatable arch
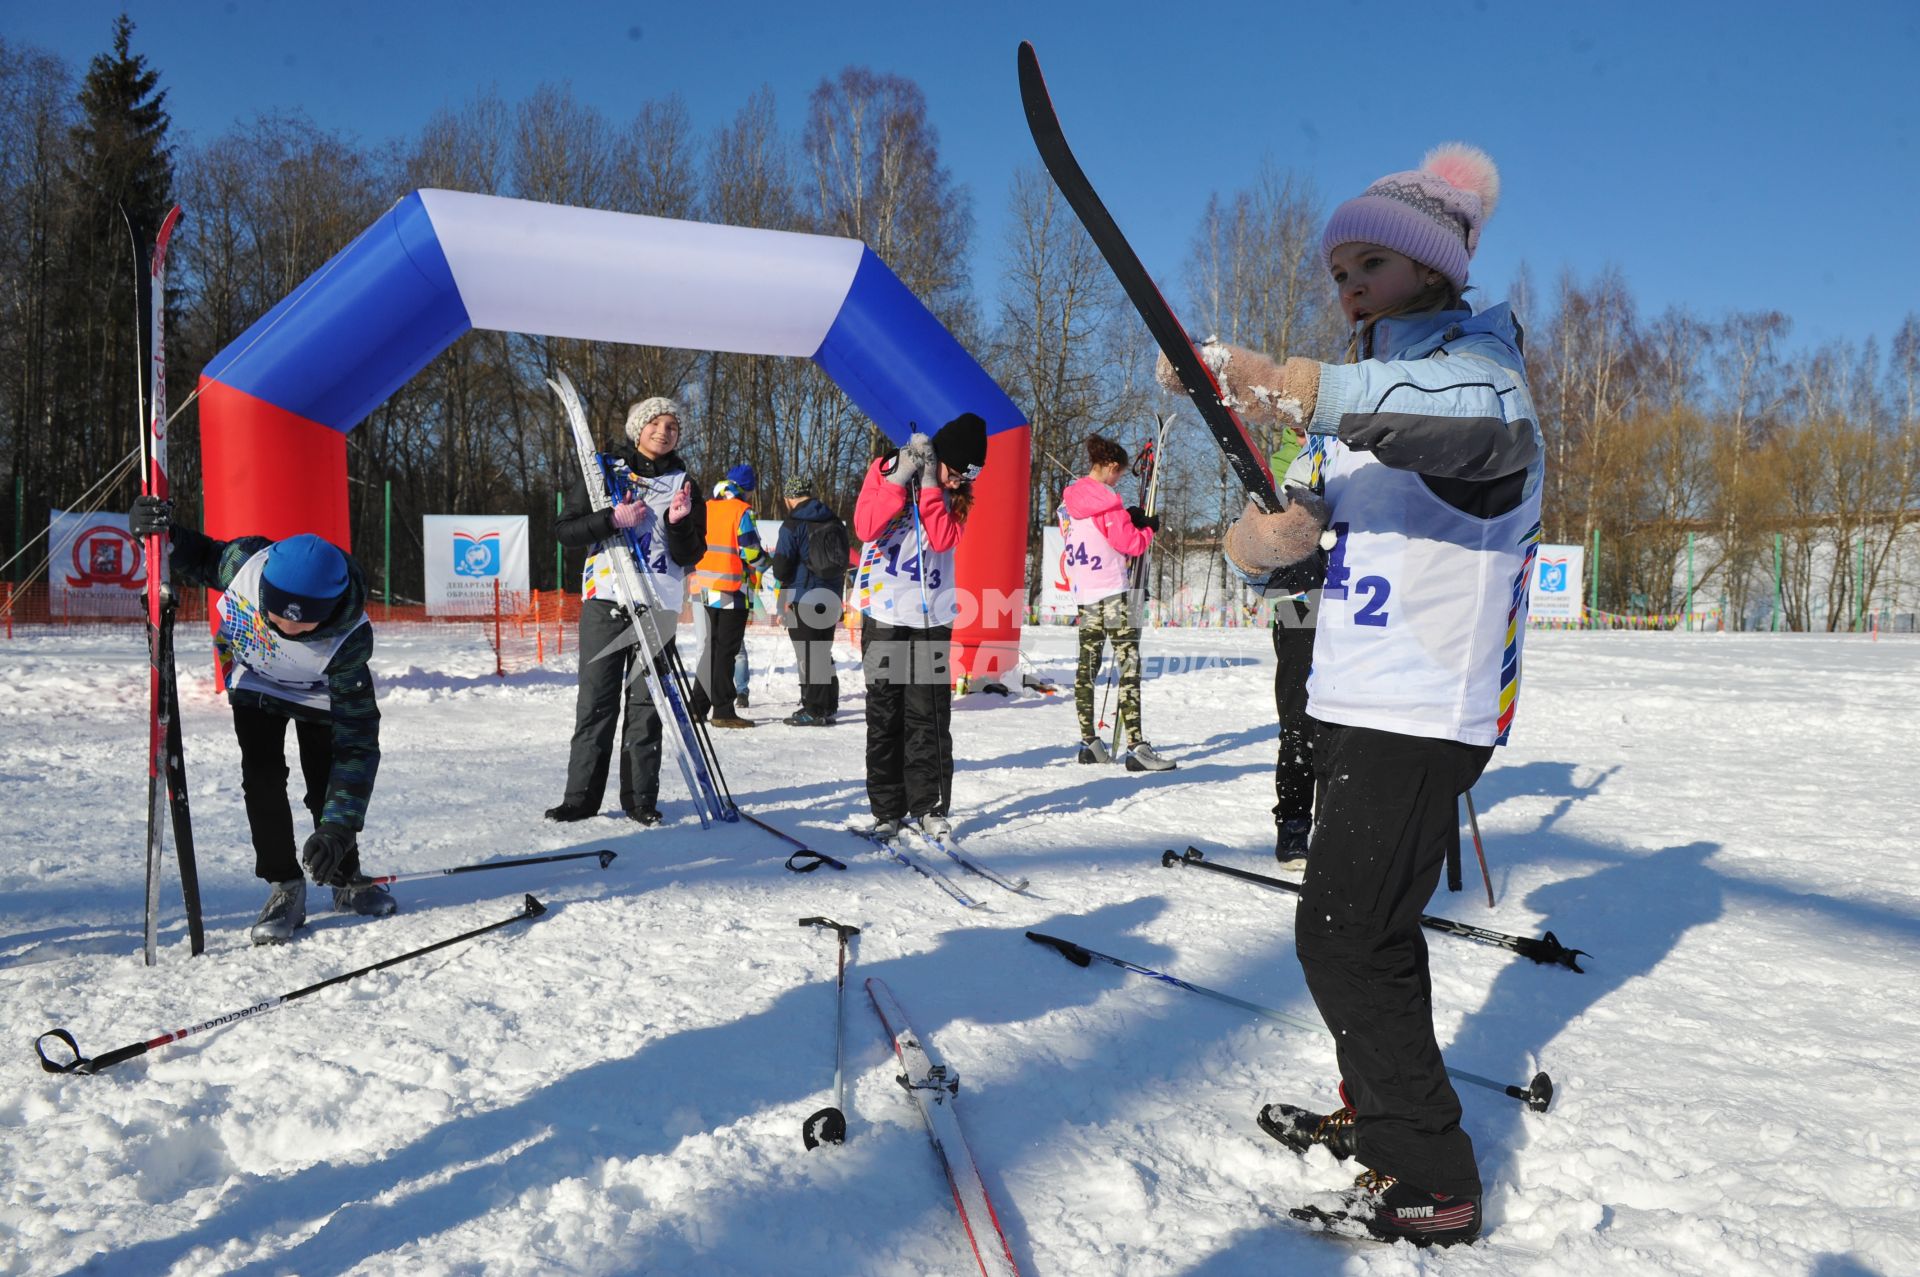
268	472
991	562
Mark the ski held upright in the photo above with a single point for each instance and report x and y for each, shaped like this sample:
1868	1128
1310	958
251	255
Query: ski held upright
1248	462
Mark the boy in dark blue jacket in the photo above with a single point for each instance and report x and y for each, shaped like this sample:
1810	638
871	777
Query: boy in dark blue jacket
810	562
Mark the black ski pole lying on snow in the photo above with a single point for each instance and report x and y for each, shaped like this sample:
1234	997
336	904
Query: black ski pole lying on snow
829	1125
83	1064
1547	950
1536	1095
605	857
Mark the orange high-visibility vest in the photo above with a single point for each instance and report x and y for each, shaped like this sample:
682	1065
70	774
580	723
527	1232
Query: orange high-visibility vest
721	567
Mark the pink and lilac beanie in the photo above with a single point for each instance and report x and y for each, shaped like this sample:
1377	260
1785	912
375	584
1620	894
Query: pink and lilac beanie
1433	213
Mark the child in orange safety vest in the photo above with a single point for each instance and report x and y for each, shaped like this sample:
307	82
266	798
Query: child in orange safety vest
720	587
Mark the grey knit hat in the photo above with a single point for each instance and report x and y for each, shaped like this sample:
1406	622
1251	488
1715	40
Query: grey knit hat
646	410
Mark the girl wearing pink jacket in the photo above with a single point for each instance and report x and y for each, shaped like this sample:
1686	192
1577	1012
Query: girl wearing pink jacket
913	506
1103	536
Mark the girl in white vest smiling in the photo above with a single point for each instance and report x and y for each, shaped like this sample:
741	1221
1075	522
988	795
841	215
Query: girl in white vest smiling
657	499
1420	485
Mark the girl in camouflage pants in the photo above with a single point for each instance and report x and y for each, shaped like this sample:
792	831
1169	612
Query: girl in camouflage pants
1103	537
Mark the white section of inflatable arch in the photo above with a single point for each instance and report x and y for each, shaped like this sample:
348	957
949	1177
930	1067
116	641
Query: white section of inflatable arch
526	267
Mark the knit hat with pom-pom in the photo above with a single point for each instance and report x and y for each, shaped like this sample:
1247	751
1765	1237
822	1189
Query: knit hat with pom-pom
1433	213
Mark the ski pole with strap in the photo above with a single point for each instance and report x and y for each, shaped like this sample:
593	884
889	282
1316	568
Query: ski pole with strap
1547	950
1536	1095
829	1125
603	856
95	1064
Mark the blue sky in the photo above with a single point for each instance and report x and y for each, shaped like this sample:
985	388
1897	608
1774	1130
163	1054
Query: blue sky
1726	156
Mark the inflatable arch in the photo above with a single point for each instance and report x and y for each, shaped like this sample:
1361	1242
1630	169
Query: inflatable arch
276	404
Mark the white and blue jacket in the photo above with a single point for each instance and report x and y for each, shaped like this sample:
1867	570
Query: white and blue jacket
1431	463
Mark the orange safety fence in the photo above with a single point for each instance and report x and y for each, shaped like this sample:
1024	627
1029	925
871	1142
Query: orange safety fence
523	630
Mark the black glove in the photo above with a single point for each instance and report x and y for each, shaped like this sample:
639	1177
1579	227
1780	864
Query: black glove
1141	519
331	855
150	517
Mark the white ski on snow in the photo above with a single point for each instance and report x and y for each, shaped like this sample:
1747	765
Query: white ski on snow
900	855
950	847
933	1087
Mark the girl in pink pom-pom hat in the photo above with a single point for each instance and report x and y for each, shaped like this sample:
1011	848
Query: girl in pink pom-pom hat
1415	510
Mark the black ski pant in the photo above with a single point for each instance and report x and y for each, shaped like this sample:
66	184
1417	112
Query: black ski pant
1292	661
603	686
813	652
713	689
262	734
909	717
1388	810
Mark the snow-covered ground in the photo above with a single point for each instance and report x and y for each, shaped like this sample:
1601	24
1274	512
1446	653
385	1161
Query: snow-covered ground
1726	823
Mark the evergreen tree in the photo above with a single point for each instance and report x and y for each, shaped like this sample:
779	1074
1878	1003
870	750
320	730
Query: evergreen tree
121	157
120	173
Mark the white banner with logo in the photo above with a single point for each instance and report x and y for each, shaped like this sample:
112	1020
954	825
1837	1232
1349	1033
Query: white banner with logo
96	568
1056	593
1557	591
467	554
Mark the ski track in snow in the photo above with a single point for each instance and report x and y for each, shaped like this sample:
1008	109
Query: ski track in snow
1725	822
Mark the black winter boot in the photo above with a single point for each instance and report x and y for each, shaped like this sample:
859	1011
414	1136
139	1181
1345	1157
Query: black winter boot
1300	1130
1388	1210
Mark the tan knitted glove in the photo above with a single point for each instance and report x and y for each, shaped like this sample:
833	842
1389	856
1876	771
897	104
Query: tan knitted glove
1255	386
1258	543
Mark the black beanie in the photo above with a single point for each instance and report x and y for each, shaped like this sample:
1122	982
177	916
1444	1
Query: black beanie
962	444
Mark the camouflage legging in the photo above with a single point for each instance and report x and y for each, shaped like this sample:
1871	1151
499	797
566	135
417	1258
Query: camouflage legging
1100	623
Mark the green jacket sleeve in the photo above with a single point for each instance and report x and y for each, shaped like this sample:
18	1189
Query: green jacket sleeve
356	731
198	559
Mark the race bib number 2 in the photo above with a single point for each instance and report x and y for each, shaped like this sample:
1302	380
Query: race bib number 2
1376	590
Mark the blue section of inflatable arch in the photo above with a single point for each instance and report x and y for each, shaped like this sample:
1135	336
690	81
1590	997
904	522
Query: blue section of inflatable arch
359	329
901	366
